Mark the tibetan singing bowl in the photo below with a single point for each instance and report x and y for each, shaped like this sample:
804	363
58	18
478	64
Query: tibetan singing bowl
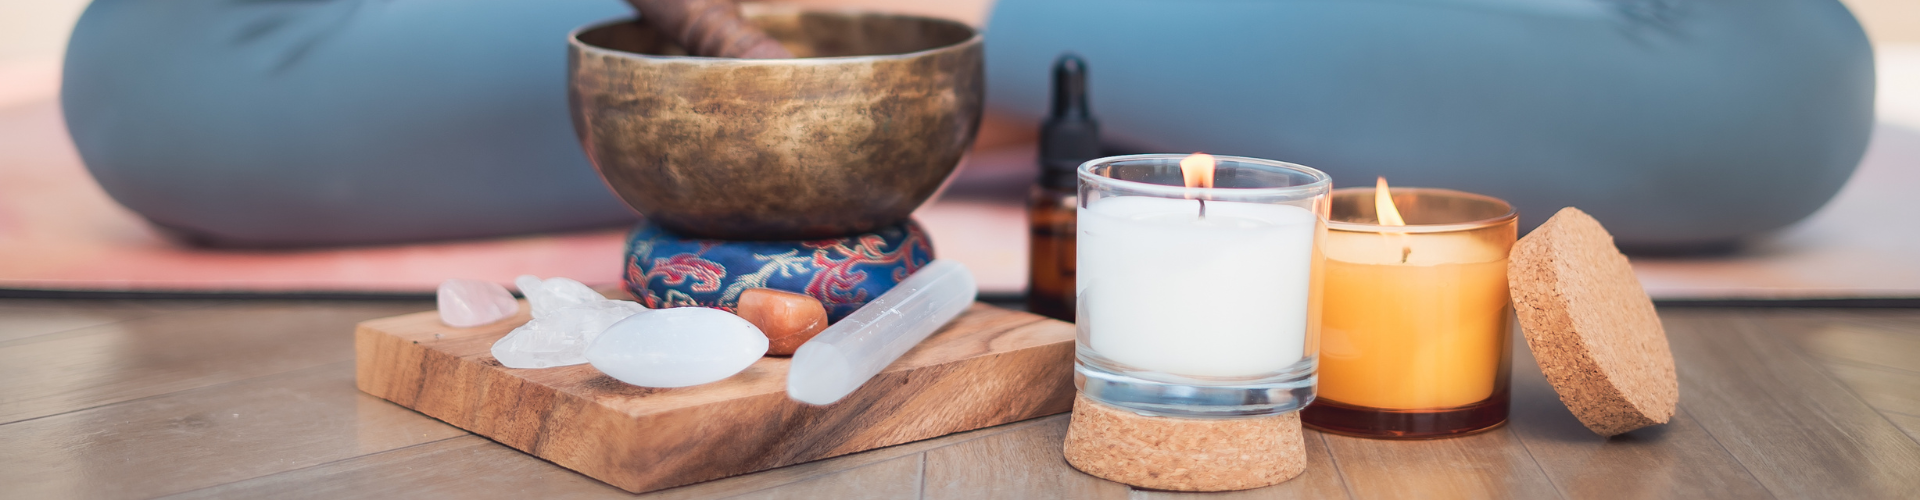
849	137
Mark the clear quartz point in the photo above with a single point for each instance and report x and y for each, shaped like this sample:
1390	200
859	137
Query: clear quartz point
852	351
567	316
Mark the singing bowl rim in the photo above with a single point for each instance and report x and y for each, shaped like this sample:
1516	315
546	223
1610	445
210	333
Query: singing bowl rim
751	10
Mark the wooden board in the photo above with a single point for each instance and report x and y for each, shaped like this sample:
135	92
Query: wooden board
990	366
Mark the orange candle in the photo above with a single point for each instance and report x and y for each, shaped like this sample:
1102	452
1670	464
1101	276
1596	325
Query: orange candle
1415	325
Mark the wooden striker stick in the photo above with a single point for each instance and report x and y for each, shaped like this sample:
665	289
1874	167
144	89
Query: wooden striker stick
710	28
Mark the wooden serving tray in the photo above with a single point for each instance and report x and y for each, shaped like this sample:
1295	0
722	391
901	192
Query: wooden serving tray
989	367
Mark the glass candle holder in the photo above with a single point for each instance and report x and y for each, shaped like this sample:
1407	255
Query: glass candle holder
1196	301
1416	320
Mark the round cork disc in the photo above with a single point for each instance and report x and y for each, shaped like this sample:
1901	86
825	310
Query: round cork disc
1591	327
1184	454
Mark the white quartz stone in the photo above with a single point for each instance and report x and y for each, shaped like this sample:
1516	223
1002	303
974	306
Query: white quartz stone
844	356
677	347
555	293
470	303
567	316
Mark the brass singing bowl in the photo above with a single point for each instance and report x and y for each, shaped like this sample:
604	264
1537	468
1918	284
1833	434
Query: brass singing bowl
851	136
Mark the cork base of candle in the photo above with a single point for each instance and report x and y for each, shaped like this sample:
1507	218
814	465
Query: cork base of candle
1184	454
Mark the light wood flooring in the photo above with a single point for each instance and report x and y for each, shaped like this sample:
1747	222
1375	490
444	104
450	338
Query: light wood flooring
255	399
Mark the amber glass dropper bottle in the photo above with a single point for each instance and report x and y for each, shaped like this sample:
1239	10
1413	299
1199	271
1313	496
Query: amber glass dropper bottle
1068	138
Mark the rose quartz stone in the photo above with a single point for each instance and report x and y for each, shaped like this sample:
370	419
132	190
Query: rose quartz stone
470	303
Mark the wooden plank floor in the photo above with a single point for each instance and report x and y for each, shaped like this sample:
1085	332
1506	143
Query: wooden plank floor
251	399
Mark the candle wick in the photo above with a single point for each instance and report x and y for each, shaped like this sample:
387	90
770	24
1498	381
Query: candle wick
1404	252
1203	209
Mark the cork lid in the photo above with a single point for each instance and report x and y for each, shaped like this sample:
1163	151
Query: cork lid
1590	325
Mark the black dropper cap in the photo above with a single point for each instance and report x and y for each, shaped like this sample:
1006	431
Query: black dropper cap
1069	136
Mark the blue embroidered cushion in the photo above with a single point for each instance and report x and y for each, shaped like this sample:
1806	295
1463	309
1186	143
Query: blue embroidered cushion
667	270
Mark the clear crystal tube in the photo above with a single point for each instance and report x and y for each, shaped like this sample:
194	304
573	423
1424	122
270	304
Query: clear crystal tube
847	354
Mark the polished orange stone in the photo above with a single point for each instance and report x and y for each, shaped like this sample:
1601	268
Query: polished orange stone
788	319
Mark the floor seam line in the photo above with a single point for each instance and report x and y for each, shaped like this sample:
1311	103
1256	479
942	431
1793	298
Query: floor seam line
1730	454
37	338
322	464
1337	471
810	478
1536	463
1016	425
1739	330
170	393
1820	366
1900	413
1864	365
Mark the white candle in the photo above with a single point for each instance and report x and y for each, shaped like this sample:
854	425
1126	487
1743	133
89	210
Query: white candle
1164	290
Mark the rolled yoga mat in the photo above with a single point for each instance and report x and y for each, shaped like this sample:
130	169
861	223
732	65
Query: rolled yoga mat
1681	124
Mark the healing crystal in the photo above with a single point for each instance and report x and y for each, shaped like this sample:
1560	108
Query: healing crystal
677	347
567	316
555	293
470	303
788	319
846	355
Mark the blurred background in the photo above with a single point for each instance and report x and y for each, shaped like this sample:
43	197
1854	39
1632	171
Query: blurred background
100	246
33	33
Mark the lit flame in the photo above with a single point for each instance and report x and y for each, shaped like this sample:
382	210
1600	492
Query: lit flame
1197	168
1383	204
1389	215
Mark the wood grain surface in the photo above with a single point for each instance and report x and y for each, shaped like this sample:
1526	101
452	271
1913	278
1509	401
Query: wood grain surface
116	362
1801	432
1676	460
1783	403
989	367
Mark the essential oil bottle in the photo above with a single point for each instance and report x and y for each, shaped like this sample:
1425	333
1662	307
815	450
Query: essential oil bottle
1068	137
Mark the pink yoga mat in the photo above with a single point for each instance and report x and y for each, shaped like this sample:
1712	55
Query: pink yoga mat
60	232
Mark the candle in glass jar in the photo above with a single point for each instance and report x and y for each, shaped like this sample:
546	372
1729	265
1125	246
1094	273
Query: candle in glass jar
1197	284
1166	290
1415	321
1423	332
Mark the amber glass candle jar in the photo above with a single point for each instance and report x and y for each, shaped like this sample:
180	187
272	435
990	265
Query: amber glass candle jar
1416	327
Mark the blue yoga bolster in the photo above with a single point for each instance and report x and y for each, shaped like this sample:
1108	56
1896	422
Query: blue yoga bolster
1678	123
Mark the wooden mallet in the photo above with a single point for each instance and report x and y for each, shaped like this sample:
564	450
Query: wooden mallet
710	28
